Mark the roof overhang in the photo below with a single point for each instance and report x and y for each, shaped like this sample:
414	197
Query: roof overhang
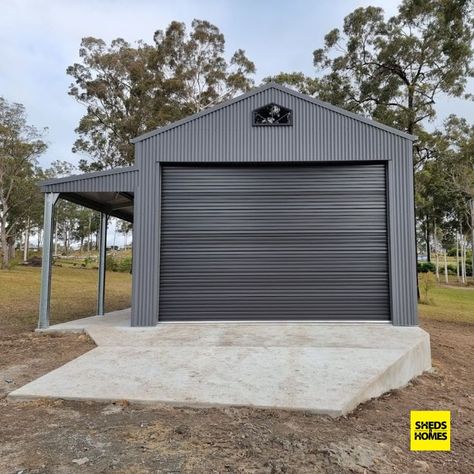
110	191
113	204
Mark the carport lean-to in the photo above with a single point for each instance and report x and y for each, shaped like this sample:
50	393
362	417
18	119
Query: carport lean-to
270	206
110	193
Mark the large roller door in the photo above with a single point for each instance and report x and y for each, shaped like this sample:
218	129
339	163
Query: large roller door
274	243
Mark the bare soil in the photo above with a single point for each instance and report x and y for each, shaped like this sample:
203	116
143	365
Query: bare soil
69	437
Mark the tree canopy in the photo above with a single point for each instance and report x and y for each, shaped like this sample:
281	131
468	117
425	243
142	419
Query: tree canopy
393	70
129	90
20	145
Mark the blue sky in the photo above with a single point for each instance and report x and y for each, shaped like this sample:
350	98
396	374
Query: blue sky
40	38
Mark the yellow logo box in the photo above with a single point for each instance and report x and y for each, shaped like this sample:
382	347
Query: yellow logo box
430	430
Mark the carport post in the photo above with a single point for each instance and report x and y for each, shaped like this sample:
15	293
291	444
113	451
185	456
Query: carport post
102	264
45	291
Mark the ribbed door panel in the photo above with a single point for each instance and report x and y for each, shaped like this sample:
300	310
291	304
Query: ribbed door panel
275	243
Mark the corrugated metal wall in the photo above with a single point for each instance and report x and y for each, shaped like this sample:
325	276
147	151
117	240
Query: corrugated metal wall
402	236
319	134
274	243
146	240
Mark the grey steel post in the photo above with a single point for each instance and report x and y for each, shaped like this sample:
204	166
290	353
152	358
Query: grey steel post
102	264
45	291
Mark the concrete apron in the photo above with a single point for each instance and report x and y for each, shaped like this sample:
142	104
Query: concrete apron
322	368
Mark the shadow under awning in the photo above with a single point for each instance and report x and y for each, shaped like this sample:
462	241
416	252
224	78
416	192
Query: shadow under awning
109	191
116	204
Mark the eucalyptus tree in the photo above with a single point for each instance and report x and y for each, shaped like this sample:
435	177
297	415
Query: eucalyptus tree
394	69
445	183
456	165
195	71
20	145
130	89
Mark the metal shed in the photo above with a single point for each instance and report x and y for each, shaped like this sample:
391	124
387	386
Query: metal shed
270	206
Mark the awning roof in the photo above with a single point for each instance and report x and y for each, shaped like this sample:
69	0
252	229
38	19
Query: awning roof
114	204
110	191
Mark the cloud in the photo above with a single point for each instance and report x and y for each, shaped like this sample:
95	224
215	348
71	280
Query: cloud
40	38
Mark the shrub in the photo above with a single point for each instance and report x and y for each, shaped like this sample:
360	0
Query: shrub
115	264
451	269
125	265
452	253
424	267
87	261
111	263
468	269
13	262
426	282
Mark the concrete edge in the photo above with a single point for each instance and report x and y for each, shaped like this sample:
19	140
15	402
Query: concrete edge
15	398
409	365
91	329
61	331
84	330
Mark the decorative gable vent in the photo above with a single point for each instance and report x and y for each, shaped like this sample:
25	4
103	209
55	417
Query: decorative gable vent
271	115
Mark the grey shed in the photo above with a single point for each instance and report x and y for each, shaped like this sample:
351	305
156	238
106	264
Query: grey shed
270	206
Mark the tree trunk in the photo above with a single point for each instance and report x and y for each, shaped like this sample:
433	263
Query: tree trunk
437	252
472	237
457	255
66	239
27	241
11	249
437	265
3	237
56	240
446	267
90	235
463	256
428	248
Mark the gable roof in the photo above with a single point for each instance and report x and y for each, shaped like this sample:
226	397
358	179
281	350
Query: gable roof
287	90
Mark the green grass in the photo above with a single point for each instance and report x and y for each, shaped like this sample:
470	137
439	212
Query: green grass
449	304
74	294
79	262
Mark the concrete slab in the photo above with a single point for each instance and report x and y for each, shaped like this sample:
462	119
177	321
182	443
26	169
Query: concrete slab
326	369
119	318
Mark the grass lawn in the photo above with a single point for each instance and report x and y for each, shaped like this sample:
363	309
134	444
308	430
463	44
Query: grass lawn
74	294
447	303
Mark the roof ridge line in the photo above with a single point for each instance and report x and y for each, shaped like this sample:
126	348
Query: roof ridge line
281	88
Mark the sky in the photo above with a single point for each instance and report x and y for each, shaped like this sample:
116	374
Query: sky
39	39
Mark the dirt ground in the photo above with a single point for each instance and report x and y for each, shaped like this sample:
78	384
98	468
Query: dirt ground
69	437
